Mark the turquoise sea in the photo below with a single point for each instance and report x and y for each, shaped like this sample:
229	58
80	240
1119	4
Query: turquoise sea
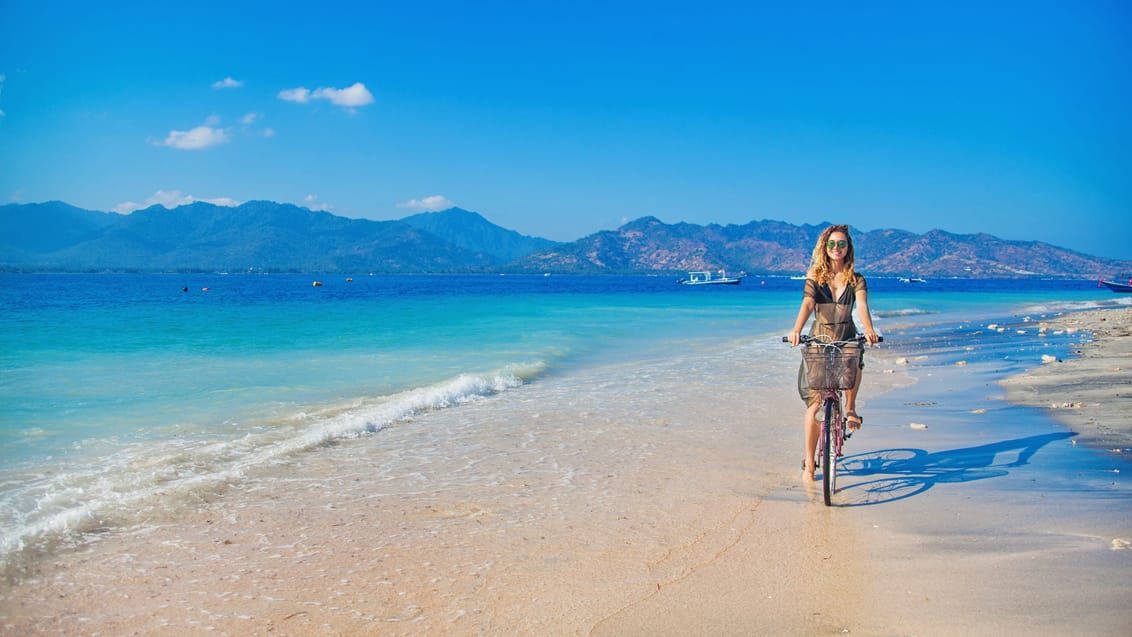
121	392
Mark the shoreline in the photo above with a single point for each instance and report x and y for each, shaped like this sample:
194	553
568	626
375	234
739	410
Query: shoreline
686	518
1089	390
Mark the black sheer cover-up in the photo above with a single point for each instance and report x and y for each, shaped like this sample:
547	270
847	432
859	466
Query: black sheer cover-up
832	320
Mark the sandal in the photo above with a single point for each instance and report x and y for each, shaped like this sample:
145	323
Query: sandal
854	421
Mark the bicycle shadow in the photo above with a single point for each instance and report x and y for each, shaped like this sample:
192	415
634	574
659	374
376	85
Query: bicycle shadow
895	474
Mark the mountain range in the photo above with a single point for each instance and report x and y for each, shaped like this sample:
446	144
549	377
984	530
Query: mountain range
264	236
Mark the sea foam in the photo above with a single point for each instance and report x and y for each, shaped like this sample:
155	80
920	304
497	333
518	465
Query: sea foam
141	477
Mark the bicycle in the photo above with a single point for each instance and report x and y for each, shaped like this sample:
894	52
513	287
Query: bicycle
831	367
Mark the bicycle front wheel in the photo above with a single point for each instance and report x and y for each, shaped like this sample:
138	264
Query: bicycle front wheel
829	452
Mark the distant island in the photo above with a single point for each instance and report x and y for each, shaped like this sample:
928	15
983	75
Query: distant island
265	236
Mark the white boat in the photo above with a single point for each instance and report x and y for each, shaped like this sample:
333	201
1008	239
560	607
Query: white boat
704	277
913	279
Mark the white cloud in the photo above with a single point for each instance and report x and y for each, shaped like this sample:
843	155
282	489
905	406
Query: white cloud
228	83
248	126
356	95
170	199
349	98
312	202
300	95
431	203
197	138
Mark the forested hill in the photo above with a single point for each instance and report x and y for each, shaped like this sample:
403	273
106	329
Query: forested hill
265	236
256	236
777	247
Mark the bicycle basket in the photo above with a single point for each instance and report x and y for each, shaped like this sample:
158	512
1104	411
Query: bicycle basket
831	367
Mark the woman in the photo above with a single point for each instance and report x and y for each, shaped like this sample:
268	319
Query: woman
832	290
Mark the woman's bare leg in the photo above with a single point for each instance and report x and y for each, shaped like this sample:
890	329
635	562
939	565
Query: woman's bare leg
851	400
810	426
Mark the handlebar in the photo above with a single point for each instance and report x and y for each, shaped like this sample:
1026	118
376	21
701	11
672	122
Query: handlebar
860	340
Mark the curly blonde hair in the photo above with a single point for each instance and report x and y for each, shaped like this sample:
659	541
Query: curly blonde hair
820	262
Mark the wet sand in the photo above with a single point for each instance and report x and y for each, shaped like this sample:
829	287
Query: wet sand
689	517
961	513
1089	390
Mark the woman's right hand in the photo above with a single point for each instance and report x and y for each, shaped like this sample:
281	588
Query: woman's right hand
795	337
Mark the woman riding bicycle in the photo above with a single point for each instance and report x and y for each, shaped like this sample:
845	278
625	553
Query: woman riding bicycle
832	290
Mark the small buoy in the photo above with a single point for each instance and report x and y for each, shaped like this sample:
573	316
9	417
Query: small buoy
204	289
317	284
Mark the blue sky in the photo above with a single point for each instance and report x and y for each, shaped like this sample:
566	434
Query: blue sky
562	119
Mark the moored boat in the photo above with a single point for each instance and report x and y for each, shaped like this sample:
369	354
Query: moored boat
704	277
1124	288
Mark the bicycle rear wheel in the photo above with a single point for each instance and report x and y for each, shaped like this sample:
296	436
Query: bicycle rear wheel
829	452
